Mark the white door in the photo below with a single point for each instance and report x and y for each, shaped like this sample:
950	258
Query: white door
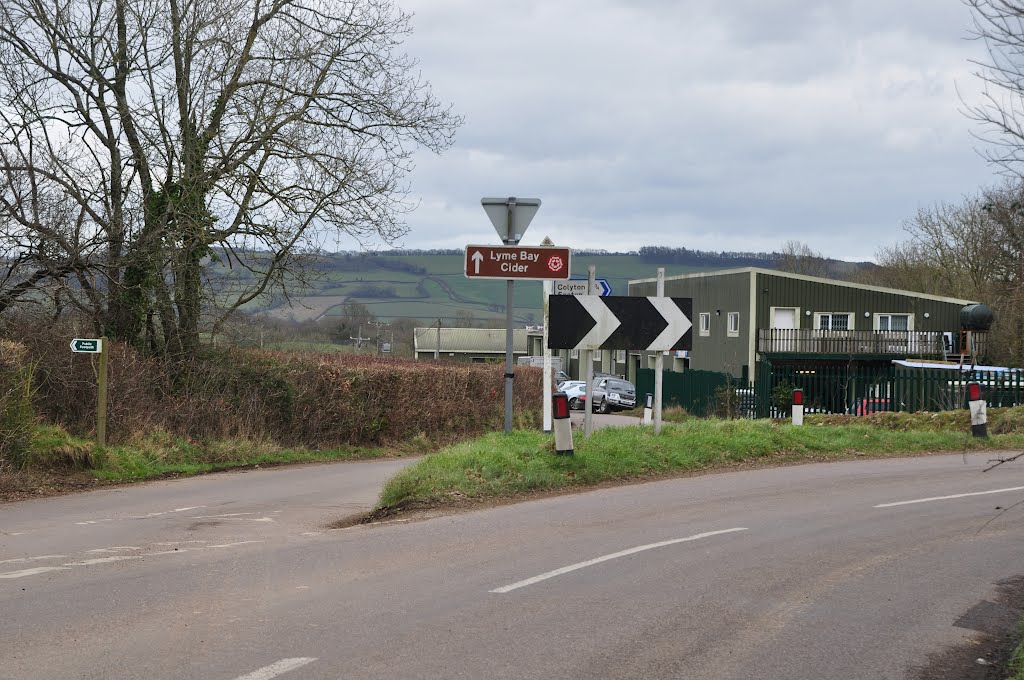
785	318
785	333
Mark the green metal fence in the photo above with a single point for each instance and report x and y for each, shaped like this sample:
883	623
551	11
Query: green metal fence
696	391
861	388
843	388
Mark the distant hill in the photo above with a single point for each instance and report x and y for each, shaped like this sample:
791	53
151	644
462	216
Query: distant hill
427	285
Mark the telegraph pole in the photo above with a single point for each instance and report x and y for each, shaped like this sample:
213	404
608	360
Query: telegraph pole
359	339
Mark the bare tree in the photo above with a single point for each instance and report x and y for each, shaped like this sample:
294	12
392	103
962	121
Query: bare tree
175	134
799	258
1000	25
972	250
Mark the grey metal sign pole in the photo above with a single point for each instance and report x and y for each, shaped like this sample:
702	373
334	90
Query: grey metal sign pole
588	357
510	239
659	364
510	217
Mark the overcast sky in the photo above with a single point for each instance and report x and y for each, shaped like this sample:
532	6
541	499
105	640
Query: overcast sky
706	124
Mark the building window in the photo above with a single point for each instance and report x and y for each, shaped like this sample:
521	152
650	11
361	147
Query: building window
734	324
574	354
893	322
705	323
834	321
620	356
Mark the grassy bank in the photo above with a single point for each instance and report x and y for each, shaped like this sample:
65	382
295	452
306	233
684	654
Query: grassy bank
57	461
497	465
1016	666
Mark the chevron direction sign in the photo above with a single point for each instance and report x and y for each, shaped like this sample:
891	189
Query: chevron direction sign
658	324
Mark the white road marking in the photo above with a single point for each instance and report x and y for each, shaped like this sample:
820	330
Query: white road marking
33	559
102	560
146	516
612	556
234	516
168	512
178	542
231	545
227	514
106	560
275	669
176	551
31	572
946	498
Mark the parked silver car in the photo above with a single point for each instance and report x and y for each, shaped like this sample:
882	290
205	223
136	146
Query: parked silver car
613	394
573	389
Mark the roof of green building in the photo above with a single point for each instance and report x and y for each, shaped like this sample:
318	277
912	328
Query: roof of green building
816	279
469	340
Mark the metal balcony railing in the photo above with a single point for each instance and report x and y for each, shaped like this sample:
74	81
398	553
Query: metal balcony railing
894	343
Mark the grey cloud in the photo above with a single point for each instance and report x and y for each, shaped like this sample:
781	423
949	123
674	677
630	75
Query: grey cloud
710	125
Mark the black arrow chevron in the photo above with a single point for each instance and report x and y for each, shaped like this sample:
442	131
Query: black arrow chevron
641	323
574	322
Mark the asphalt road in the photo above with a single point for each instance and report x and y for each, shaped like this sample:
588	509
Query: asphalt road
845	570
604	420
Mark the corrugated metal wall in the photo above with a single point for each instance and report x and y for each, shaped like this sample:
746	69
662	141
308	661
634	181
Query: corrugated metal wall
812	297
716	296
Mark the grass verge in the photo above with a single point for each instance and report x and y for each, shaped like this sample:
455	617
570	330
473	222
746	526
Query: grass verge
58	461
497	465
1016	666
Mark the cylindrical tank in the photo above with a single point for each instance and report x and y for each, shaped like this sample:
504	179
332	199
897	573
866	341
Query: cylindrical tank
976	318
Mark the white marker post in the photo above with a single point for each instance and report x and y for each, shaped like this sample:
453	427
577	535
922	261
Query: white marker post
978	406
798	407
549	287
659	363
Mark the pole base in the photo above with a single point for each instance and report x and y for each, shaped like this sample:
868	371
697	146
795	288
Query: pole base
980	430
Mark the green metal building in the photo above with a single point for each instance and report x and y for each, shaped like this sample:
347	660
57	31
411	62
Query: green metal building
745	317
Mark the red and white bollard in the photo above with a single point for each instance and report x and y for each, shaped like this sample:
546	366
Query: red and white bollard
798	406
979	416
562	425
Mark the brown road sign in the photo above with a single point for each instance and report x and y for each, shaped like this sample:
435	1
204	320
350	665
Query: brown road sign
518	262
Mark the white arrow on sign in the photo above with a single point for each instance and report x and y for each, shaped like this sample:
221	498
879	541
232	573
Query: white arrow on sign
606	322
678	324
579	287
477	258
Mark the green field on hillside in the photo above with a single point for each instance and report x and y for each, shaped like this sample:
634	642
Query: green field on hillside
428	287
